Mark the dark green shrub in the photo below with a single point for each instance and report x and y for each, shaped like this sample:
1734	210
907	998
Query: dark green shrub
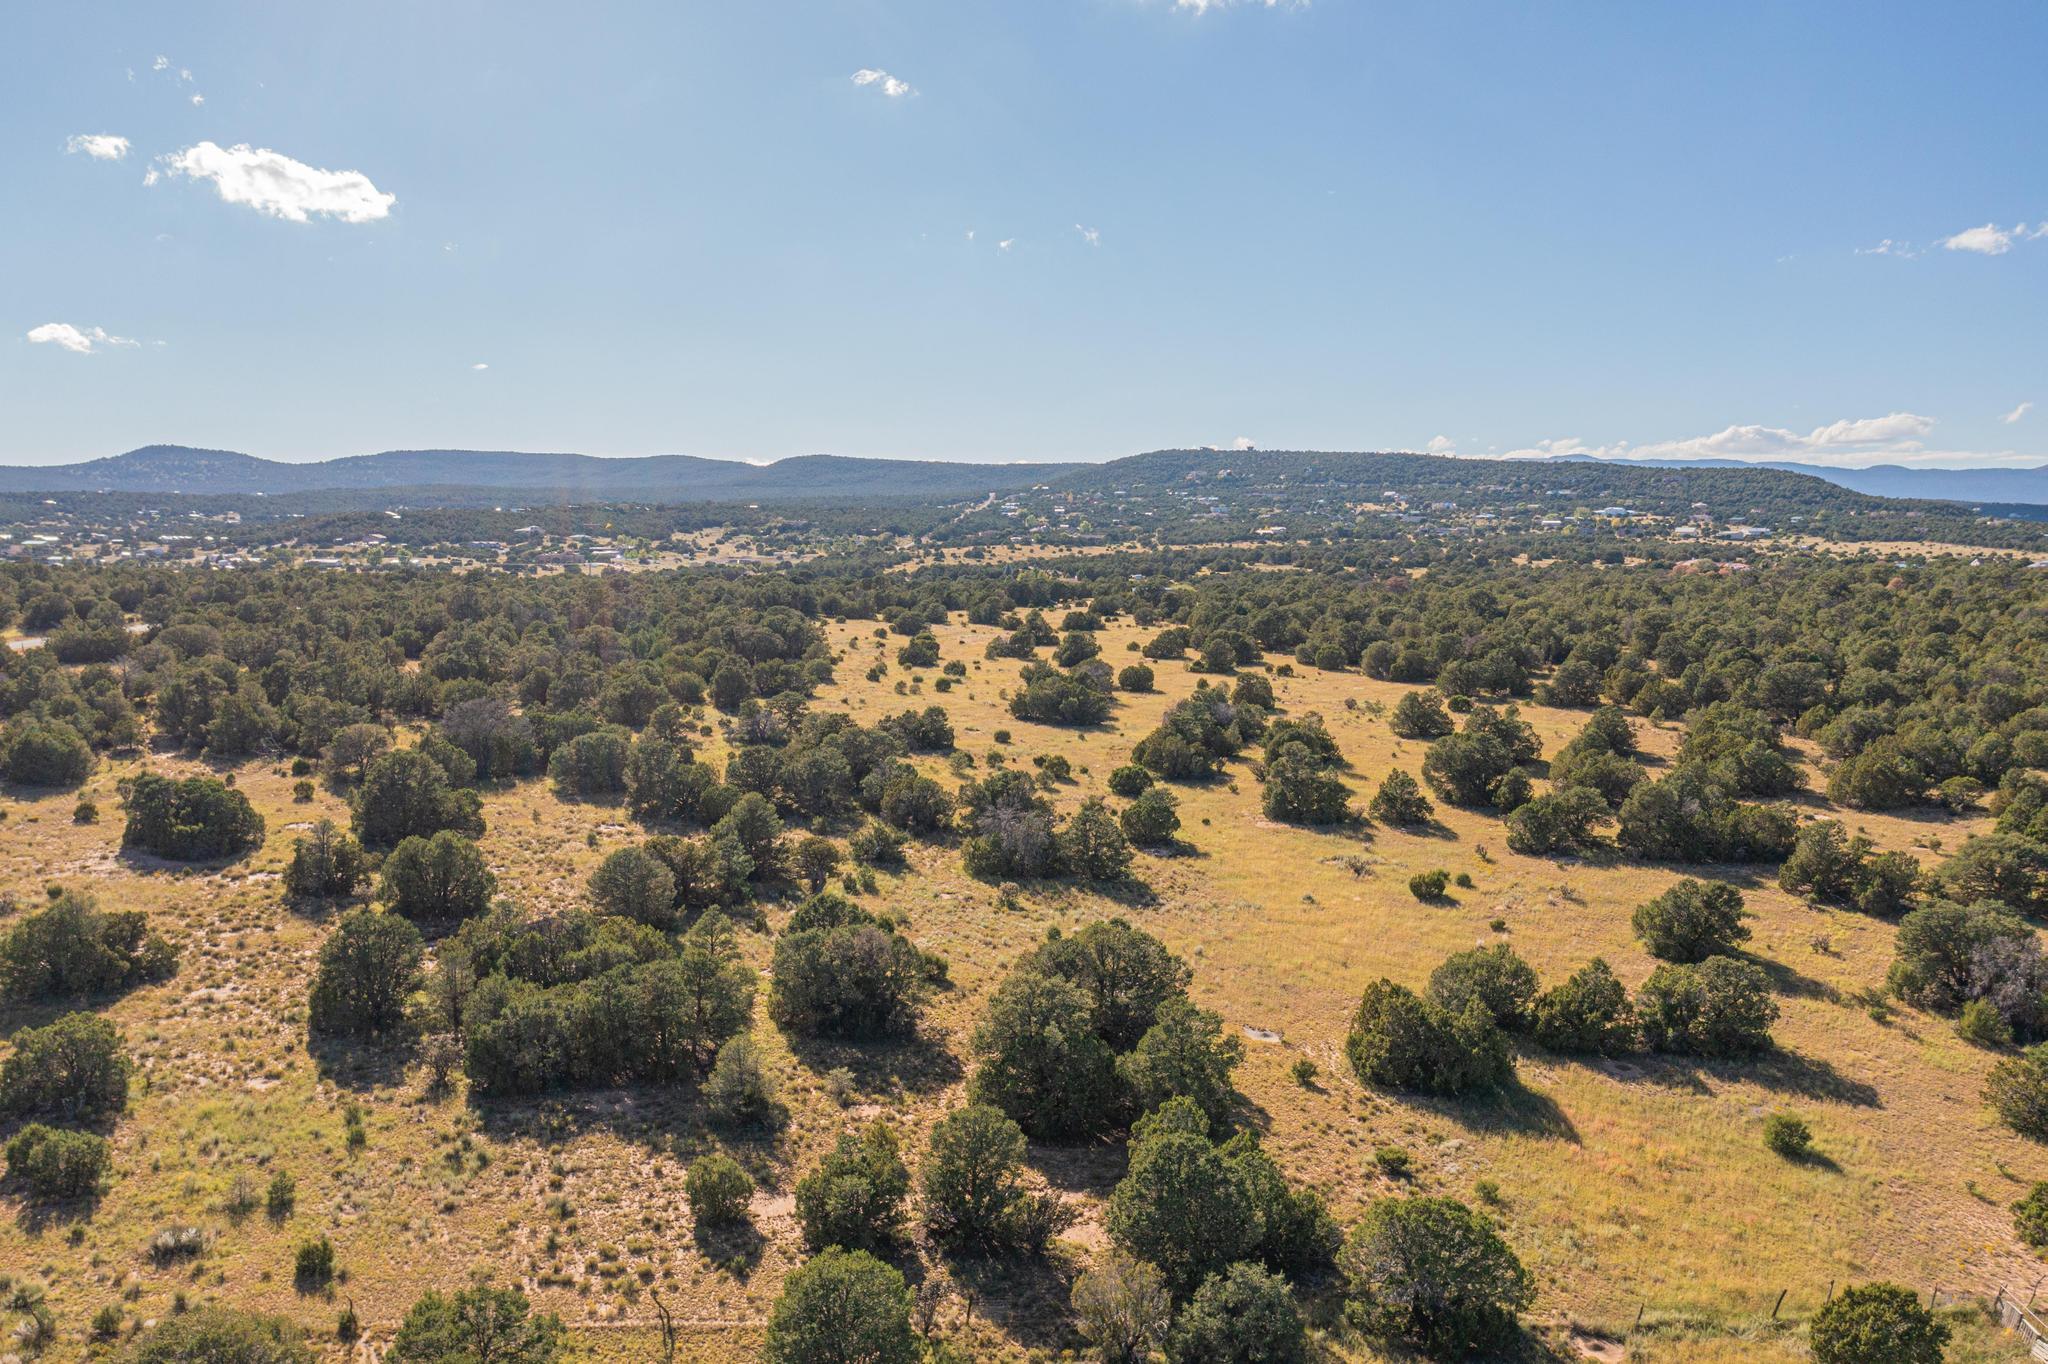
718	1190
1588	1015
854	1198
437	879
1242	1314
190	820
326	864
1429	885
74	1069
369	967
1692	921
1399	1041
476	1324
1788	1136
1721	1007
842	1306
55	1163
72	947
1436	1274
1879	1321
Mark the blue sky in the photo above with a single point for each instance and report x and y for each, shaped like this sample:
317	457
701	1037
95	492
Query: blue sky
1054	229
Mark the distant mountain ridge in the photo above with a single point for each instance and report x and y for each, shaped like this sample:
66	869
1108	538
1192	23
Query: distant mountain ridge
2024	485
484	477
658	478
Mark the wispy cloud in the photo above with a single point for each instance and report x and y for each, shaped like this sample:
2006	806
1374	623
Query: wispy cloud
1006	243
98	146
1089	235
80	340
279	187
1442	445
480	366
2022	410
1203	7
1888	247
1896	438
882	80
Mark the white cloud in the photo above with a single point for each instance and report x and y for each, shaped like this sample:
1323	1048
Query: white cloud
1089	235
1244	443
276	185
198	100
480	366
1888	247
1441	445
1204	6
1985	241
98	146
1897	438
1006	243
890	86
160	64
82	340
2022	410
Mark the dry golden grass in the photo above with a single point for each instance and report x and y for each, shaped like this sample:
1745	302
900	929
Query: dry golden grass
1620	1184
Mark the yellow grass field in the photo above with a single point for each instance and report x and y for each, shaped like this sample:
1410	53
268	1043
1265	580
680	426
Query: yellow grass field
1628	1187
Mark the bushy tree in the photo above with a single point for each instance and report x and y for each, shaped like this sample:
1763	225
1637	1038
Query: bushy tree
1152	819
2017	1090
1433	1272
190	820
1302	790
1129	781
1242	1315
1589	1014
1693	920
1720	1007
1181	1208
844	1307
1420	715
718	1190
1689	816
1496	978
1125	972
1185	1054
1877	1321
854	1199
592	764
738	1091
1400	1041
635	884
1400	800
1122	1306
75	1069
852	980
438	879
326	864
1040	1061
369	967
477	1324
44	753
1557	821
407	795
1936	952
2010	868
54	1163
972	1185
1092	845
72	948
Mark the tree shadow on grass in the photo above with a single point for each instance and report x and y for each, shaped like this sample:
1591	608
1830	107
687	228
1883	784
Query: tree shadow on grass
1788	980
1023	1296
361	1065
1781	1071
736	1248
1513	1109
891	1068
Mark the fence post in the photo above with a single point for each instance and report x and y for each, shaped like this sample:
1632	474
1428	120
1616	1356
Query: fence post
1831	1294
1779	1303
1640	1308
